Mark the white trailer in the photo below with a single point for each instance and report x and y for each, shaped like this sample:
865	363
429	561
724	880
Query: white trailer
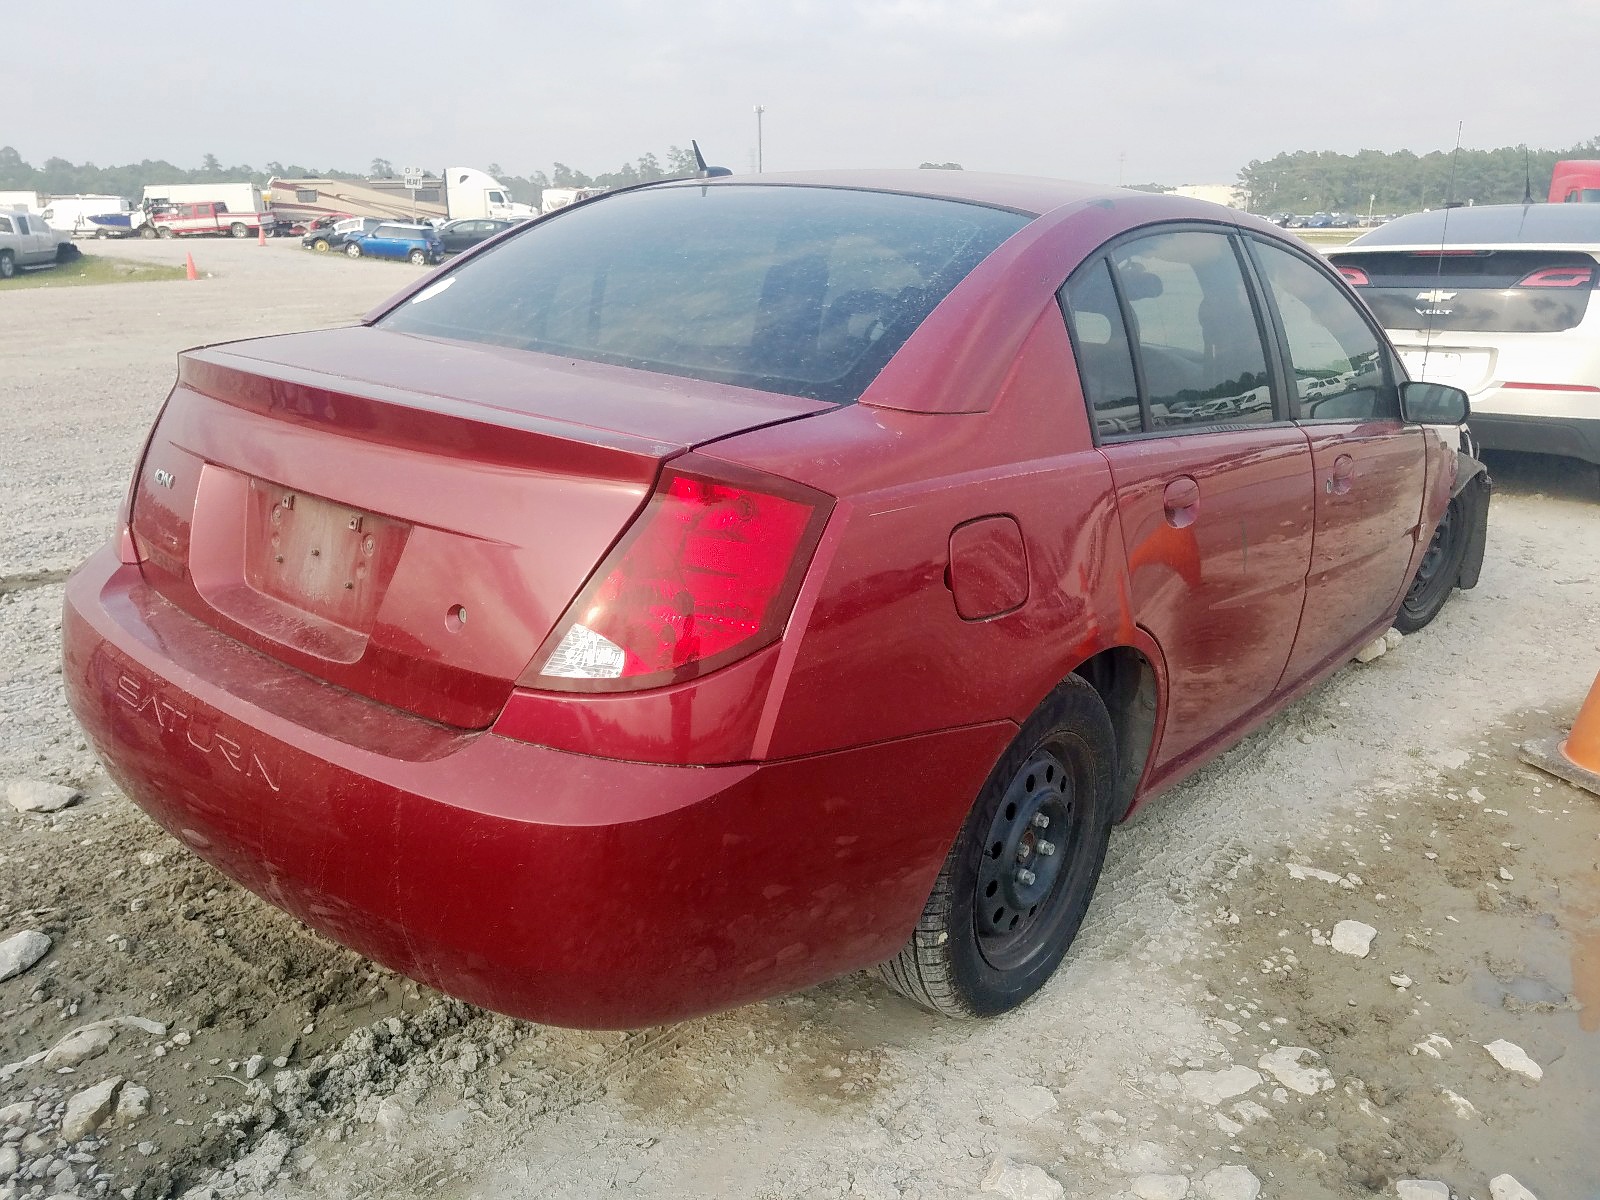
469	192
31	202
239	197
560	197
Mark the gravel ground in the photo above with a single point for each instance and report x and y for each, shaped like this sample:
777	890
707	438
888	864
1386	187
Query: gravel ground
1208	1038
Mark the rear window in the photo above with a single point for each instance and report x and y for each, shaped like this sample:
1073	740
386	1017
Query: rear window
805	291
1483	291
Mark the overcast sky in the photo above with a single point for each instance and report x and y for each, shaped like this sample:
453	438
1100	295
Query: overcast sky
1169	91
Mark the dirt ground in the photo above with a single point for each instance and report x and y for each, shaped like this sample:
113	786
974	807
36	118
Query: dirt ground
1205	1019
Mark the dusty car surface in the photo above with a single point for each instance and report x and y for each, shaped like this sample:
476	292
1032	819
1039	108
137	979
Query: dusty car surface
727	584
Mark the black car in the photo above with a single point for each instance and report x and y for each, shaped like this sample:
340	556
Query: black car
334	236
468	232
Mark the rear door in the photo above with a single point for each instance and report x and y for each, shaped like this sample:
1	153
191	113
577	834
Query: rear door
1213	480
1370	467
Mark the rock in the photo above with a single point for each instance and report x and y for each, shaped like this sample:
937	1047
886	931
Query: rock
1250	1112
1505	1187
260	1167
21	950
1232	1182
1161	1187
254	1065
1376	648
1463	1107
1231	1128
143	1025
1421	1189
1284	1065
1030	1103
1431	1045
19	1113
1514	1058
1213	1087
37	796
89	1108
1019	1181
133	1104
80	1045
1401	981
1506	875
10	1160
1392	637
1298	871
391	1118
1354	938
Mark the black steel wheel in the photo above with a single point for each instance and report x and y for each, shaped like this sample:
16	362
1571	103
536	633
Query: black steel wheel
1016	884
1437	573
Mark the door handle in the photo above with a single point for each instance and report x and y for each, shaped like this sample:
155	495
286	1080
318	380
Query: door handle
1344	474
1181	502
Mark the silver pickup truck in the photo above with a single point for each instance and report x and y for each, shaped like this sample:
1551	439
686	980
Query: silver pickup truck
26	241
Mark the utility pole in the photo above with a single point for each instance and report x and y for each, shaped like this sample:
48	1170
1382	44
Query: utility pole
760	164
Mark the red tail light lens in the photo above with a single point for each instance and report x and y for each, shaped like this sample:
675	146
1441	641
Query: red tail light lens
1558	277
706	574
1354	276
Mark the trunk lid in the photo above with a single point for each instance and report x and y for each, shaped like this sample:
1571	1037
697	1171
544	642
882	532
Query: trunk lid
405	517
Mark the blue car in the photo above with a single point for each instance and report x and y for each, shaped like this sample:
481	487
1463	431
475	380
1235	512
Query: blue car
417	243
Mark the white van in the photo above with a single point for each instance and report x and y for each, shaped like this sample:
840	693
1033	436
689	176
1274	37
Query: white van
70	214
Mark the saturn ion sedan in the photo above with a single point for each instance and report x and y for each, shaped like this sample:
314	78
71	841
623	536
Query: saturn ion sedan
726	584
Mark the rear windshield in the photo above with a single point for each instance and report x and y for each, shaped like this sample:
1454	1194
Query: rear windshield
1486	224
805	291
1485	291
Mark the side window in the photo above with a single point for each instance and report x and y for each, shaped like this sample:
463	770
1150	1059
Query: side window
1100	341
1195	330
1338	361
5	225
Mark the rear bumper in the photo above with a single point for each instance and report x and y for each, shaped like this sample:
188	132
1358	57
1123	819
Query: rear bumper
576	890
1575	437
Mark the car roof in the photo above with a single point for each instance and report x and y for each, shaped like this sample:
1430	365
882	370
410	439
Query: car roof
1020	193
1484	225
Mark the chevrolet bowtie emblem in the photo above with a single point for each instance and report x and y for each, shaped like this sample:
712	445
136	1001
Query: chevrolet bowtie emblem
1435	296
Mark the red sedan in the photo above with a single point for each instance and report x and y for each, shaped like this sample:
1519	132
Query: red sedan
726	584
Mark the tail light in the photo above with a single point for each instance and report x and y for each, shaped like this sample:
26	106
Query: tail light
706	574
1558	277
1354	276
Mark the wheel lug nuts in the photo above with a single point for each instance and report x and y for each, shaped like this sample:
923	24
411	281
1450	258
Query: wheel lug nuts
1046	848
1040	821
1023	851
1025	877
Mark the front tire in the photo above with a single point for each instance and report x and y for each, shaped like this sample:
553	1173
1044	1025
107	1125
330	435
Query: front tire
352	250
1014	888
320	245
1437	573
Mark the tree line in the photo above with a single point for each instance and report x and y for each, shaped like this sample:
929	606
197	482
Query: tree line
1308	181
1303	181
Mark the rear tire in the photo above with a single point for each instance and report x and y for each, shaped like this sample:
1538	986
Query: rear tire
8	264
352	250
418	258
1437	573
66	252
1004	908
148	232
237	230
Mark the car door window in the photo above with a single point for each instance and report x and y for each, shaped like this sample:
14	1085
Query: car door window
1194	329
1338	361
1105	359
5	225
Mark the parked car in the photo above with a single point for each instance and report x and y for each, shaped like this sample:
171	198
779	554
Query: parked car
190	219
1497	299
333	237
463	235
722	585
27	240
417	244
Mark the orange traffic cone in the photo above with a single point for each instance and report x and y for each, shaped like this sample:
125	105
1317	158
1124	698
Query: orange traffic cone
261	235
1577	757
188	266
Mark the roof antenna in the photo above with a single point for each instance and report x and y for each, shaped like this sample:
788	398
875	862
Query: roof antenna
1527	176
704	171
